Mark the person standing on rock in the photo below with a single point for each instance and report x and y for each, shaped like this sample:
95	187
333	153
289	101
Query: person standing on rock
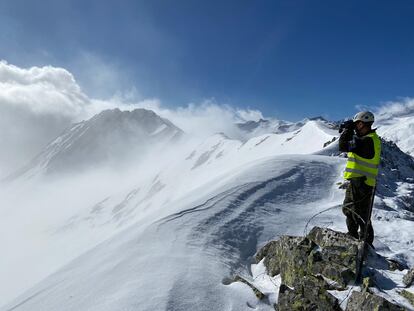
364	149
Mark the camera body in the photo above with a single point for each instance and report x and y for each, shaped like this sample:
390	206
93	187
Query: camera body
349	125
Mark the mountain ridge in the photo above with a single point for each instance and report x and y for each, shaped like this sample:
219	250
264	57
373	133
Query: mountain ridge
110	135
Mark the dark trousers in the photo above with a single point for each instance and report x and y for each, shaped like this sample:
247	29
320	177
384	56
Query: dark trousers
358	195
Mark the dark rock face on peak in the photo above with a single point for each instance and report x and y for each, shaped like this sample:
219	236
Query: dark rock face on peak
252	125
318	118
263	126
144	120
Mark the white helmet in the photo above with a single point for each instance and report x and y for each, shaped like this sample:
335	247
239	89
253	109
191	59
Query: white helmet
364	116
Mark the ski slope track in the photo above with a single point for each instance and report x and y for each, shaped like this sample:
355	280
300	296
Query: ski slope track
178	262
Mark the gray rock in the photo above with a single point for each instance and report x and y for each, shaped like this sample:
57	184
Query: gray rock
323	252
310	294
340	274
409	278
325	237
306	264
337	257
271	261
408	295
293	258
366	301
395	264
287	256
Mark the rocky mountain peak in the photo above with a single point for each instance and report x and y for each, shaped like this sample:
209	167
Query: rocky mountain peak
110	137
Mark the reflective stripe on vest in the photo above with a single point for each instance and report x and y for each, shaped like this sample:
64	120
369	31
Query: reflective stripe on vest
351	170
363	163
358	166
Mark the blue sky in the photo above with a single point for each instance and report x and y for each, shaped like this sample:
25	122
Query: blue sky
289	59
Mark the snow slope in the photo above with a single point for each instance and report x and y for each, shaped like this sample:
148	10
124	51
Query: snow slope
177	260
81	211
165	236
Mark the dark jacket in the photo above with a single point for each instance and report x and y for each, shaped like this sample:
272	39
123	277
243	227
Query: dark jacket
362	146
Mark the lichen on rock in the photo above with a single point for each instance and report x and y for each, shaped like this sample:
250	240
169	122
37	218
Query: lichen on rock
408	295
409	278
366	301
322	252
311	266
310	294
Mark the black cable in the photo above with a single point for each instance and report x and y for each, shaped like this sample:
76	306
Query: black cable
333	207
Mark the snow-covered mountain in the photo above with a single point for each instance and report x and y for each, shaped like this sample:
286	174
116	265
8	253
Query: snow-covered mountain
165	235
251	129
112	136
400	130
262	126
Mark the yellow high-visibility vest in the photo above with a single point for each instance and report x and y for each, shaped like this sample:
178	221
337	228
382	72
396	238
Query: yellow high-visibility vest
358	166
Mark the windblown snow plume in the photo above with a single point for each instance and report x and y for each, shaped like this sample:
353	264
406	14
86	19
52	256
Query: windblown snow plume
394	109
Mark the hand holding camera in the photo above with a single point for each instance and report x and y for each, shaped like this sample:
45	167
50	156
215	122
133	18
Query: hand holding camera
349	125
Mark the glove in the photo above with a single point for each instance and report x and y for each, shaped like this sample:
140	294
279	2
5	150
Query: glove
349	125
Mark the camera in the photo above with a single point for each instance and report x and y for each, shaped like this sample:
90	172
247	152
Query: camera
349	125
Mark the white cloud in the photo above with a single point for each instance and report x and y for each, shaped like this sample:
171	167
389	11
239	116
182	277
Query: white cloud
36	104
250	114
41	90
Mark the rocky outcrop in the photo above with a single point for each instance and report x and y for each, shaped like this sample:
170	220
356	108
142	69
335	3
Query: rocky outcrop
324	252
288	257
313	265
311	293
408	295
366	301
336	256
409	278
